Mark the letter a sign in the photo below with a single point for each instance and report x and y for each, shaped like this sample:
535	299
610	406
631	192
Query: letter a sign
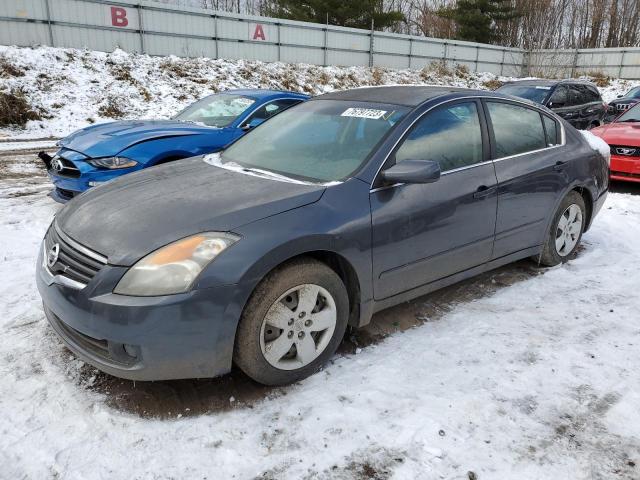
258	33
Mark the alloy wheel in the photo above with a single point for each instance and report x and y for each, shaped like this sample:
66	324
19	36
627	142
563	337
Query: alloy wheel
298	327
568	230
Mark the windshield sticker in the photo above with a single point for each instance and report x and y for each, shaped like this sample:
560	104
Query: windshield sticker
542	87
364	113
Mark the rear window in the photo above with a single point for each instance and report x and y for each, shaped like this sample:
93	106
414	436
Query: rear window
535	93
516	129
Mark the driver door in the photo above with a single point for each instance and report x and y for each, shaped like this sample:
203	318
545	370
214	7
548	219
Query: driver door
424	232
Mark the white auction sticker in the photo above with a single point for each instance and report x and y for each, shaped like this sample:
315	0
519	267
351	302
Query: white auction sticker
363	113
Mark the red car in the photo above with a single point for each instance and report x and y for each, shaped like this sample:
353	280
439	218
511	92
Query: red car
623	136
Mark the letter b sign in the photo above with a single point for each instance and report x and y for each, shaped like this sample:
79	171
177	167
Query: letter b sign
119	17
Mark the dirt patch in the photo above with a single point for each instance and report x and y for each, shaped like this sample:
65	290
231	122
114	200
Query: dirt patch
8	69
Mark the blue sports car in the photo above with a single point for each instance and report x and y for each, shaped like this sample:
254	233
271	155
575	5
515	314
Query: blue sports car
99	153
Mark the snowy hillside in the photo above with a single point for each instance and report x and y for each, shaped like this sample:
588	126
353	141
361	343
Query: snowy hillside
70	89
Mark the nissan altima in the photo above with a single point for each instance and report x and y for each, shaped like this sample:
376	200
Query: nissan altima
337	208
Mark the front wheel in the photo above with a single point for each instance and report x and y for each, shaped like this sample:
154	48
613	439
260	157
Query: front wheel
292	324
566	231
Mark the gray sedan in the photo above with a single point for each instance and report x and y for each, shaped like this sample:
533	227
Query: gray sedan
335	209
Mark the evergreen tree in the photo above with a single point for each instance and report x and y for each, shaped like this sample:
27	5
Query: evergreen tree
345	13
477	20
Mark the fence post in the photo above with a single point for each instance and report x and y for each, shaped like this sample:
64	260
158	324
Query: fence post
278	27
215	28
371	46
410	51
621	64
444	53
504	51
48	11
477	57
575	64
141	28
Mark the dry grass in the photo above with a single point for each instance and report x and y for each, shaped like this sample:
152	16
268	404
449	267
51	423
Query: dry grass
461	71
8	69
600	78
492	84
15	110
377	76
110	108
438	68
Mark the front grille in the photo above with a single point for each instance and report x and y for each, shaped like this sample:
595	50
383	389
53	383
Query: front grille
74	261
64	167
625	150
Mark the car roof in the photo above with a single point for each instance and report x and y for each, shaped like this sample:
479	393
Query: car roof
405	95
264	93
542	81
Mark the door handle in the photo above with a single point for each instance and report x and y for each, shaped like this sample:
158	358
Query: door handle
484	191
559	166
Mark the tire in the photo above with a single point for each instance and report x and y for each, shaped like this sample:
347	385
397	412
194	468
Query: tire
551	254
273	318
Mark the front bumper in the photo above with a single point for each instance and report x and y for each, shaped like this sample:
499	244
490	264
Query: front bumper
188	335
625	168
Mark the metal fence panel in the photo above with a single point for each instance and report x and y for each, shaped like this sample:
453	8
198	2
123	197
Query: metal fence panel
160	29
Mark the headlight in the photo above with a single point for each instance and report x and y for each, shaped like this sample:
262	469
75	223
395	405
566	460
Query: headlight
112	162
174	268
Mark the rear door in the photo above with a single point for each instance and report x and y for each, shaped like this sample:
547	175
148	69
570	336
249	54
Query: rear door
424	232
531	174
563	103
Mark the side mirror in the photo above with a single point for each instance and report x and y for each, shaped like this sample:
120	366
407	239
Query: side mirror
412	171
254	122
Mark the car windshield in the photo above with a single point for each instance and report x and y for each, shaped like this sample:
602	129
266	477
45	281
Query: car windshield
633	93
216	110
318	141
631	115
535	93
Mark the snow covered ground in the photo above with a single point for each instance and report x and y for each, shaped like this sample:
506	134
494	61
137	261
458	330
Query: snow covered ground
73	88
532	378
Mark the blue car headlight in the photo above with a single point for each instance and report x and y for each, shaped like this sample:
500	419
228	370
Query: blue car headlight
175	267
112	163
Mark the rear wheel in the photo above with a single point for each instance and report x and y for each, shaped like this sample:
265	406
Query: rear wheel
566	231
292	324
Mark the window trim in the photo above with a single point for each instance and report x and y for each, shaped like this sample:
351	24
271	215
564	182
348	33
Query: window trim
248	117
530	107
484	120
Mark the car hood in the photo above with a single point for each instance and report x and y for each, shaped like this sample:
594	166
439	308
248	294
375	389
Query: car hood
129	217
624	100
625	133
109	139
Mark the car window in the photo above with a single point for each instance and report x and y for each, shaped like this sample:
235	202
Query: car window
575	96
535	93
551	130
560	97
593	94
449	135
633	93
272	108
218	110
516	129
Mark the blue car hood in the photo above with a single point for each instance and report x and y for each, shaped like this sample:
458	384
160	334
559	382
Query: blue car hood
109	139
129	217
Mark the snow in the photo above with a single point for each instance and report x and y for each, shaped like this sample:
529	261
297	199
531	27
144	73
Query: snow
76	88
527	379
530	380
598	144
